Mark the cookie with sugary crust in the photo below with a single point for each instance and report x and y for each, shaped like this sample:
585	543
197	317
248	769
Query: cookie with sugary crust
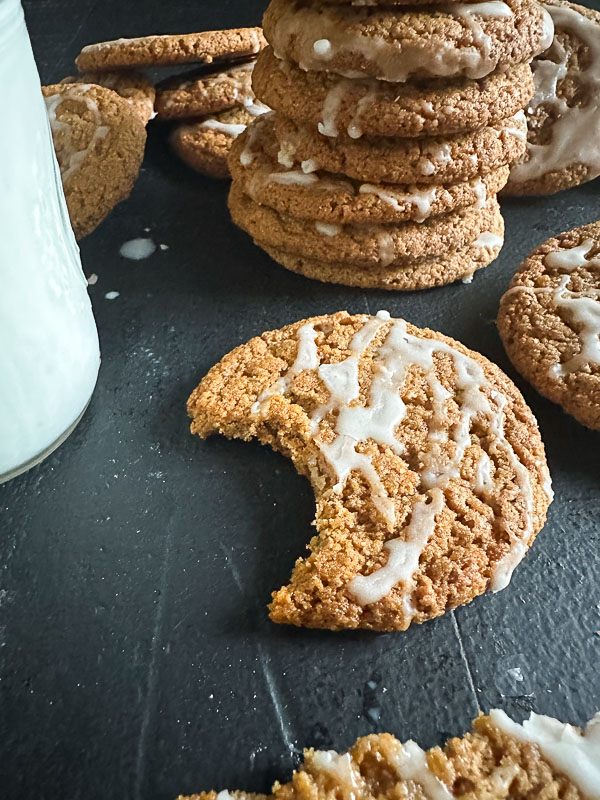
197	95
376	159
99	141
366	106
132	86
549	321
204	145
362	245
461	40
563	118
328	198
172	49
498	760
428	468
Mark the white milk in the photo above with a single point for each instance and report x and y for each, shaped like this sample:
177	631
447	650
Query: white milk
49	354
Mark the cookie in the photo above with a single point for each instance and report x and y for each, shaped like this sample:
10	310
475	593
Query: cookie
200	94
130	85
365	106
170	50
499	760
362	245
423	273
328	198
549	321
468	40
563	118
428	468
99	142
377	159
204	145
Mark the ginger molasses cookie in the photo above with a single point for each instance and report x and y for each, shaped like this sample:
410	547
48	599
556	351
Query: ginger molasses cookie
172	49
563	118
376	159
131	85
338	105
204	145
366	244
329	198
499	760
428	468
461	40
99	141
549	321
199	94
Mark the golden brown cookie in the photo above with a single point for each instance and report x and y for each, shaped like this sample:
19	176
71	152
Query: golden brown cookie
499	760
549	321
99	141
204	145
428	468
197	95
324	197
376	159
369	107
563	118
131	85
362	245
154	51
462	40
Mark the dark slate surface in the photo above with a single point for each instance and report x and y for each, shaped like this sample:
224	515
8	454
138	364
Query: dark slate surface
136	657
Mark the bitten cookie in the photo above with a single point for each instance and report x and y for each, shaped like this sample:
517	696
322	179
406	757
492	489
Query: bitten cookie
170	50
549	321
130	85
428	467
198	95
499	760
420	108
204	145
563	118
99	142
469	40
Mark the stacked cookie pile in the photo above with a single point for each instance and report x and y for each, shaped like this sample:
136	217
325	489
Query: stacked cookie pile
394	128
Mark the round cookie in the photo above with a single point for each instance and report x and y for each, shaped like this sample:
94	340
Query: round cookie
130	85
439	160
549	321
328	198
463	40
370	107
172	49
99	142
563	147
204	145
188	96
363	245
428	469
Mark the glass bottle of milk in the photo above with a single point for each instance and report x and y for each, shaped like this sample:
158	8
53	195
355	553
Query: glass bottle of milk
49	355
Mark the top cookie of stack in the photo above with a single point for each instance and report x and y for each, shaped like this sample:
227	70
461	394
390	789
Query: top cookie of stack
394	128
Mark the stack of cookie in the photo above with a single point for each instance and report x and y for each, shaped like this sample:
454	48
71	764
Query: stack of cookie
394	128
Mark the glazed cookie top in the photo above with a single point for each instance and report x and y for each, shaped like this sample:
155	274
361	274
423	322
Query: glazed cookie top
188	95
428	468
463	40
149	51
563	149
366	106
549	320
437	160
130	85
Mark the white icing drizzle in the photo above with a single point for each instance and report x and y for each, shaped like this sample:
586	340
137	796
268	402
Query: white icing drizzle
568	260
328	229
294	178
331	106
309	165
422	199
225	795
411	762
379	419
387	250
565	747
342	769
575	131
254	107
488	240
254	131
354	129
231	129
521	132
